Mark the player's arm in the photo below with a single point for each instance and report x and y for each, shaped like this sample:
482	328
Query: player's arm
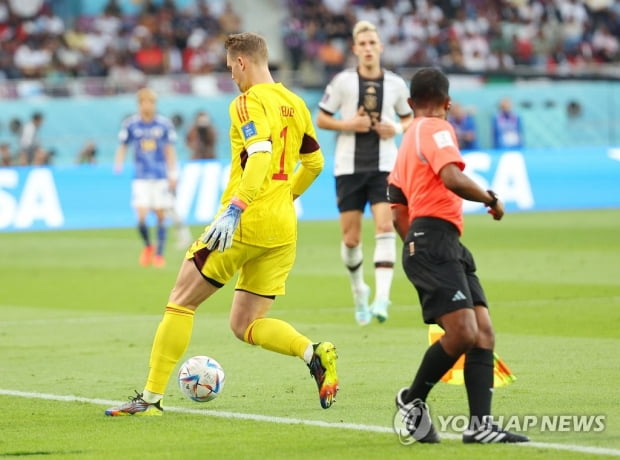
256	169
119	157
124	139
455	180
171	165
312	162
220	233
388	129
406	121
400	210
359	123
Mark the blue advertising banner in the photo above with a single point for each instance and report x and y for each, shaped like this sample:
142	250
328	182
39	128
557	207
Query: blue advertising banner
93	196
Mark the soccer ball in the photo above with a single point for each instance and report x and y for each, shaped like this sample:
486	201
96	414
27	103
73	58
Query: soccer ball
201	378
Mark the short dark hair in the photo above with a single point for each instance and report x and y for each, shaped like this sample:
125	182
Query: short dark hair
429	86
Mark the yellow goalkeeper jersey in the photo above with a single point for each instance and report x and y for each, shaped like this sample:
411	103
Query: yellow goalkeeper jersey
269	117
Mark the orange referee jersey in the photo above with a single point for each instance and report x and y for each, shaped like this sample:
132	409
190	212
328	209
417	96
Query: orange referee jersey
428	145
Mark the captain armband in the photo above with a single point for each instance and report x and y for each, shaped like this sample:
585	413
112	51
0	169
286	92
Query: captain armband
260	146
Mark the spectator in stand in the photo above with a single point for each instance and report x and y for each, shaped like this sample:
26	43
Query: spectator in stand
149	57
229	21
32	58
30	150
604	45
507	127
201	137
87	154
458	35
122	76
6	159
464	126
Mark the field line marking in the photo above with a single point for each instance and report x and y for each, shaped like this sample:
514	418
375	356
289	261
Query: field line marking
299	421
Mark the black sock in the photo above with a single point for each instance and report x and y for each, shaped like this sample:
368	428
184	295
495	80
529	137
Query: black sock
478	373
143	230
435	363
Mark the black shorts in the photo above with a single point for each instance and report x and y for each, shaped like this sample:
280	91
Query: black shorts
353	191
442	270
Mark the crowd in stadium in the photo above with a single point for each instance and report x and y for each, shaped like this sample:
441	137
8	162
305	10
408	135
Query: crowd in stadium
469	35
550	36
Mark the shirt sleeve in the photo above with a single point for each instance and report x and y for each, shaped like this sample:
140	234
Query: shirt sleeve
402	105
332	97
440	145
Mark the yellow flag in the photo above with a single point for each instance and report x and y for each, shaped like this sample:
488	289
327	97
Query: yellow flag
502	374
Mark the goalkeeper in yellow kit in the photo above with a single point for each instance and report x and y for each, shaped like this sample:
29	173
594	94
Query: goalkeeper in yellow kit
254	233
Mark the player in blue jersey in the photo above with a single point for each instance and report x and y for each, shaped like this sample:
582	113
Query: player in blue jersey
151	137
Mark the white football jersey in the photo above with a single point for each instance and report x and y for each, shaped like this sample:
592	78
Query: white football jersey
383	99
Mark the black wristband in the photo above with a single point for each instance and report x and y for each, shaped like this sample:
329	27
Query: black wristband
493	202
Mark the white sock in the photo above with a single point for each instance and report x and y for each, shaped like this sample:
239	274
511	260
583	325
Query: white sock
353	257
151	398
384	258
383	282
308	353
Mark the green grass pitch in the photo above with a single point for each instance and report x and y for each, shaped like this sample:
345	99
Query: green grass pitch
77	316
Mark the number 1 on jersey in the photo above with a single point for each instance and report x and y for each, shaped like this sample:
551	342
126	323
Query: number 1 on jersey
281	175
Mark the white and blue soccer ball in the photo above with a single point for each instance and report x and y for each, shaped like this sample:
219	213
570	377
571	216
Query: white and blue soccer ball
201	378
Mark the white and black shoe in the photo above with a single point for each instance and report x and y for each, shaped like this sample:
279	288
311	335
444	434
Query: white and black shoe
489	432
416	418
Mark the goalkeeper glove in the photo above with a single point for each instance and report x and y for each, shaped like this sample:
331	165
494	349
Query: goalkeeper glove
221	231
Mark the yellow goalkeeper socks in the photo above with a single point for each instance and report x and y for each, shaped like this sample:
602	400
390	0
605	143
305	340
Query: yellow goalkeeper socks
171	341
276	335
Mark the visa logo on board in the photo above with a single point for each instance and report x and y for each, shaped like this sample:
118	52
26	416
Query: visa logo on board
37	201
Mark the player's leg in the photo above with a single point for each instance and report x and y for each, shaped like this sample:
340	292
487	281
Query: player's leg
161	202
353	259
352	198
351	202
478	374
478	370
437	360
261	278
141	202
171	340
183	233
201	274
175	330
384	258
460	335
430	263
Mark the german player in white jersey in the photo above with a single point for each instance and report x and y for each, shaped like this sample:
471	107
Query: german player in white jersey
367	106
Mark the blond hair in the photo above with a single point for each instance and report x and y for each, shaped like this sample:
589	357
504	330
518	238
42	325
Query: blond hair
146	93
363	26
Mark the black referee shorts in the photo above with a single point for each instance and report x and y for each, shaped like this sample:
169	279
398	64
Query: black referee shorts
353	191
442	270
